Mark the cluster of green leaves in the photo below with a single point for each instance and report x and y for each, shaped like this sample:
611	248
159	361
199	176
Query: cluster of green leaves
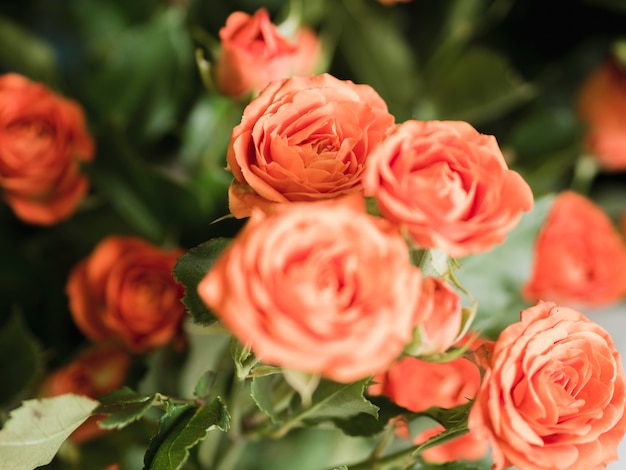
159	173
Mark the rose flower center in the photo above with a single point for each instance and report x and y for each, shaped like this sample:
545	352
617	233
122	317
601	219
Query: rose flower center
30	139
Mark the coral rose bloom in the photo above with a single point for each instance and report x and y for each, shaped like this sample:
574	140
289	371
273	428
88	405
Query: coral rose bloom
303	287
254	53
304	139
448	185
417	385
553	397
125	291
579	256
601	105
43	140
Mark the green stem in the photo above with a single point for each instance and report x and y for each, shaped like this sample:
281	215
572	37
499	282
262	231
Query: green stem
233	454
585	172
403	457
234	406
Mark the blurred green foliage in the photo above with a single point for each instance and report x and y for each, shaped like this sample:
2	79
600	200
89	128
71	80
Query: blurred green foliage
509	67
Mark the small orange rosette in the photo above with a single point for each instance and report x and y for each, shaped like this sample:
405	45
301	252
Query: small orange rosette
125	292
94	372
255	53
601	105
417	385
579	256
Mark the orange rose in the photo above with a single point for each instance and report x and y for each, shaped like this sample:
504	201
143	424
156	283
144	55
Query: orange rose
579	256
254	53
43	141
93	373
304	139
601	105
302	287
448	185
553	397
417	385
441	316
125	291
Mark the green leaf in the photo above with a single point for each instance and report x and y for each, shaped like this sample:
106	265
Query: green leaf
361	425
481	465
479	86
453	419
181	428
20	360
431	262
449	355
208	364
26	53
207	132
449	418
383	60
263	370
337	400
331	401
191	268
206	135
271	393
143	74
303	383
205	384
36	430
126	447
124	196
546	159
364	424
243	358
530	140
495	278
618	5
124	407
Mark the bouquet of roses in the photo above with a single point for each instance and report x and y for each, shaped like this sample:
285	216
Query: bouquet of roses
378	290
